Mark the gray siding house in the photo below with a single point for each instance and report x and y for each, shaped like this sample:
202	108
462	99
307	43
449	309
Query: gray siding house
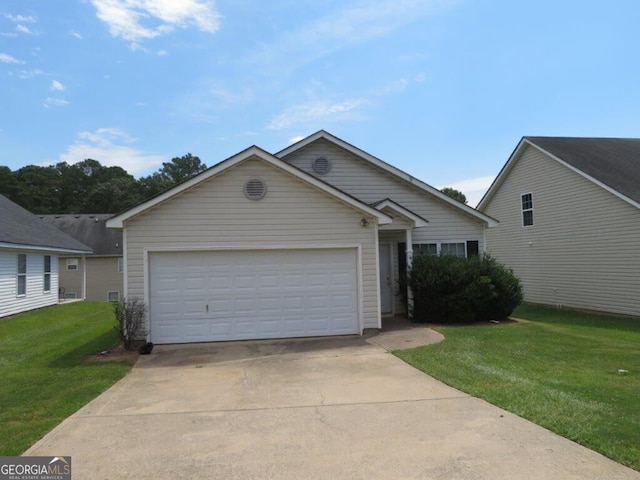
98	276
29	251
309	241
569	212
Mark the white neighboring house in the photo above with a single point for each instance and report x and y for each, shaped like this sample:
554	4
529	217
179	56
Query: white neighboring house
29	251
310	241
569	212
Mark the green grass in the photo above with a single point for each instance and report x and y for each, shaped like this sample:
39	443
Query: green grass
560	369
44	375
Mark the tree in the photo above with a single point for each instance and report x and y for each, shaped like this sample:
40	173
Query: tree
177	170
182	168
37	189
455	194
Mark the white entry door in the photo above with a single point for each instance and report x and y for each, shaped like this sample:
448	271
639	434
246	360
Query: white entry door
386	279
240	295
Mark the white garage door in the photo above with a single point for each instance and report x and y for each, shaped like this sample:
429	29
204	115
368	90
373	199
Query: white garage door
238	295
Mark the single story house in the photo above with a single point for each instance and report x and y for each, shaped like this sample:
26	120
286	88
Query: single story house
310	241
29	251
98	276
569	212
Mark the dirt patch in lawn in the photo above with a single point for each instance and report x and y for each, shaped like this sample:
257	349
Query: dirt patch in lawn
116	354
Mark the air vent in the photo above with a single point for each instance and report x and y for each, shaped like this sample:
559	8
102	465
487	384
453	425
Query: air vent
255	189
321	165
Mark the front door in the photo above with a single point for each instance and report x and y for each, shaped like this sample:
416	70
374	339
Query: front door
386	290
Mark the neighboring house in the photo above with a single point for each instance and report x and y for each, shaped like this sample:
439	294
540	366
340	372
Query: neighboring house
310	241
98	276
29	251
569	212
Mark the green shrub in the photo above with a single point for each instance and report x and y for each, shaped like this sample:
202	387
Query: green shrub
453	289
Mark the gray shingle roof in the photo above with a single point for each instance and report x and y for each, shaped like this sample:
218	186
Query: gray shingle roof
90	229
614	162
21	228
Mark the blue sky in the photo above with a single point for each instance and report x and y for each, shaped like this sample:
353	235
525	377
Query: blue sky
441	89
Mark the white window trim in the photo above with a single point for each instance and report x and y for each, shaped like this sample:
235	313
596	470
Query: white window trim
120	265
45	273
70	295
109	294
18	274
73	262
439	243
522	210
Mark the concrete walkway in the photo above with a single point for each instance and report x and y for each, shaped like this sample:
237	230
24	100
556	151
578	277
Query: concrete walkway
327	408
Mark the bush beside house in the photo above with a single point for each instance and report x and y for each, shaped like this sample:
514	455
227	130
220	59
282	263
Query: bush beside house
454	289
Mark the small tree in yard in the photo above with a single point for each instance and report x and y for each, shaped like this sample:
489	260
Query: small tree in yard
130	320
453	289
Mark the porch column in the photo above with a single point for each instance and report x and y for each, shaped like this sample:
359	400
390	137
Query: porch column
409	254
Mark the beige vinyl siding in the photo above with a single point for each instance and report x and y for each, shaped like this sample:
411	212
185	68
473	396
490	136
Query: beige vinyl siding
103	277
35	296
370	184
216	214
582	250
71	280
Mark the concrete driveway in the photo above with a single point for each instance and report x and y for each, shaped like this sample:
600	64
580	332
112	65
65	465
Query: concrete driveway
330	408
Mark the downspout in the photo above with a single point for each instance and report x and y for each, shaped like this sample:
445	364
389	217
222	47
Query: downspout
84	277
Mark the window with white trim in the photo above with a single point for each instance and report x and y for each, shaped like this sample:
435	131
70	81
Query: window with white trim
113	296
455	249
120	265
527	210
47	274
21	274
72	264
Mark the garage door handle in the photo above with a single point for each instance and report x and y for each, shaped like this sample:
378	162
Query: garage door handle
206	308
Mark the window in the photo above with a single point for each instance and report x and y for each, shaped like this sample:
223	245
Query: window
527	210
22	274
47	273
72	263
113	296
70	295
455	249
425	249
120	265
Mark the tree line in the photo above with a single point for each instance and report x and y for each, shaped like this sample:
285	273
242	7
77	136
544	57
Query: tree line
89	186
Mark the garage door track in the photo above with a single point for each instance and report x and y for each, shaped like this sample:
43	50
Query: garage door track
327	408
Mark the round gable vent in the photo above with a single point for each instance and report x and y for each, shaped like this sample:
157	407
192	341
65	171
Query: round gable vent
321	165
255	189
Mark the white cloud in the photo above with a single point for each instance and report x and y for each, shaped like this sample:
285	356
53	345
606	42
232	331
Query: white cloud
162	53
125	17
342	28
21	18
75	34
26	74
111	147
6	58
296	139
473	188
22	29
55	102
310	112
56	86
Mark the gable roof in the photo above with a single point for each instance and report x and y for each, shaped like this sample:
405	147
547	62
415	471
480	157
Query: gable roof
21	229
118	220
90	229
611	163
322	134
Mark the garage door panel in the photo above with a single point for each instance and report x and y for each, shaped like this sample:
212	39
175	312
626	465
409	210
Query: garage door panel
212	296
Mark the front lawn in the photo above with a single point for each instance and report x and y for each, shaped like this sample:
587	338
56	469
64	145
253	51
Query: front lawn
43	372
576	374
